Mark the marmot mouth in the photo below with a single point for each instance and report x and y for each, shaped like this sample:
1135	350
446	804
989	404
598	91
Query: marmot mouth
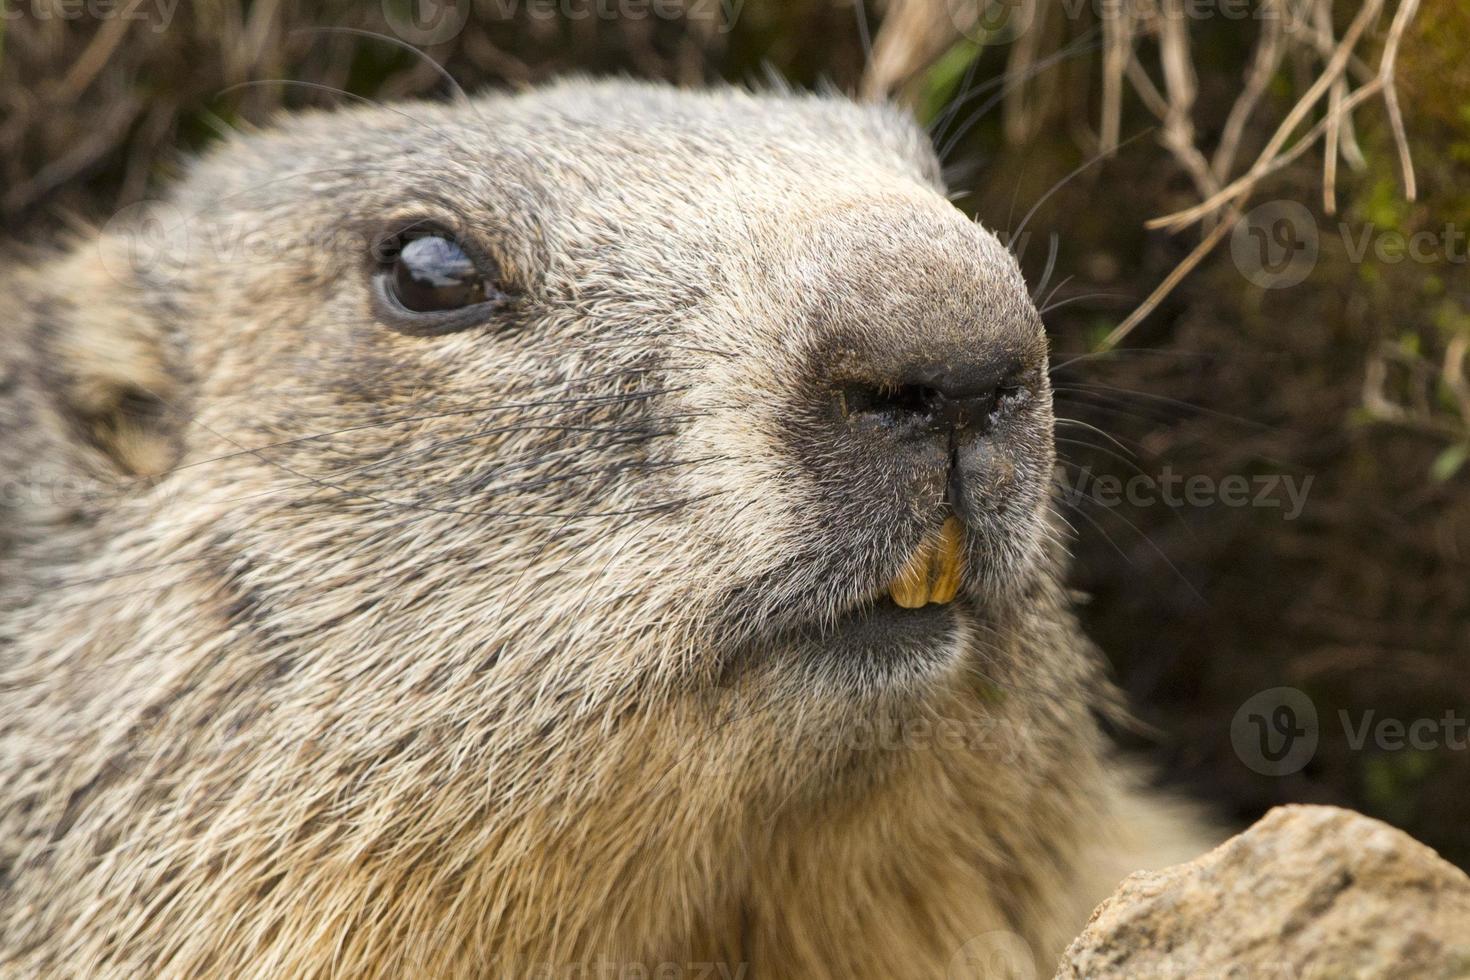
928	580
899	631
881	643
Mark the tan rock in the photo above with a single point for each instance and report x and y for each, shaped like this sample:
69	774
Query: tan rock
1308	892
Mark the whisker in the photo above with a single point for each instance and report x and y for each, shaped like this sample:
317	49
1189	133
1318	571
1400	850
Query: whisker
533	456
1144	538
608	470
409	506
1080	169
1085	297
1058	515
1054	243
439	69
334	90
860	14
1052	295
1094	402
1087	41
1130	352
1106	435
409	420
1086	471
1077	509
1111	453
1175	402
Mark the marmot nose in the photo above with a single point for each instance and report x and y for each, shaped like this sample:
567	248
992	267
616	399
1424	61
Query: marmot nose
934	397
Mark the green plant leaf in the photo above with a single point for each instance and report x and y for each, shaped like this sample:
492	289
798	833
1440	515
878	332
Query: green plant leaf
1448	463
942	81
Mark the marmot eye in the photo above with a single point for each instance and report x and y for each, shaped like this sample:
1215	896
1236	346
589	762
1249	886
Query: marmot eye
433	273
429	283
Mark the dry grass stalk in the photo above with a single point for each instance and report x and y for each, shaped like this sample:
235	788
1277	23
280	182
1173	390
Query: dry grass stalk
1342	82
1020	119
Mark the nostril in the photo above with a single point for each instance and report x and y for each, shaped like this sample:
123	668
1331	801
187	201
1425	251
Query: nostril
890	403
944	398
972	410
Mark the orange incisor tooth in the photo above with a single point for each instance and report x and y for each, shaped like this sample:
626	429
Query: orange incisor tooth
948	563
934	570
911	588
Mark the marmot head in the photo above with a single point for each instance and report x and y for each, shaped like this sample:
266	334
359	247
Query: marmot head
532	487
603	387
695	381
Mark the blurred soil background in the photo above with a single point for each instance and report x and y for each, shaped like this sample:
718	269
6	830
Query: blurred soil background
1354	377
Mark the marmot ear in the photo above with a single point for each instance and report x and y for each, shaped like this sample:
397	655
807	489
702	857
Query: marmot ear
108	361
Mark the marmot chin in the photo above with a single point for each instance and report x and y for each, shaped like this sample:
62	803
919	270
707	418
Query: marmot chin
604	528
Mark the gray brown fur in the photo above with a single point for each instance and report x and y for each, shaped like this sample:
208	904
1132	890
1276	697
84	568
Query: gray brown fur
500	652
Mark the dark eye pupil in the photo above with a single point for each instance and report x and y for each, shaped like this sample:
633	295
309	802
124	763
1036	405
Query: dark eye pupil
433	273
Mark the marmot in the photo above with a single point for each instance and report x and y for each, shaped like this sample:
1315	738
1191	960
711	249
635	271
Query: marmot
587	532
